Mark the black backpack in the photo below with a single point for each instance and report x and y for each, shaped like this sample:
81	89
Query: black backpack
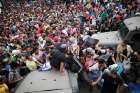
90	41
73	64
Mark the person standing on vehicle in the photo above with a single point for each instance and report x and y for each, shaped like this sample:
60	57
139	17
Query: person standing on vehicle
123	51
57	58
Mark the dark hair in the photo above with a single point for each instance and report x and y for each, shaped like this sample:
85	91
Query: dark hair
40	24
1	79
101	61
110	48
125	42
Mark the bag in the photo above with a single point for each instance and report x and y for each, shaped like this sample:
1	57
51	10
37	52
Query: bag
74	65
45	67
31	65
90	41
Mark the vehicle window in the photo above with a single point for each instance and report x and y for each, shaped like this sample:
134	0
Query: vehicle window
136	42
136	38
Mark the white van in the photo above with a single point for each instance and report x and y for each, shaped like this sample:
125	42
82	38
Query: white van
130	31
108	38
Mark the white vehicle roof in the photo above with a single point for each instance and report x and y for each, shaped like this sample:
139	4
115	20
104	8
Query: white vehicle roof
108	38
132	23
45	82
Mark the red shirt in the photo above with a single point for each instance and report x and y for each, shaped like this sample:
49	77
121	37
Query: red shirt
56	39
89	62
40	30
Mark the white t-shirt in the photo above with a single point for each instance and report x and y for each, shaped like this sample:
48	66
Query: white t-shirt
73	41
94	67
41	42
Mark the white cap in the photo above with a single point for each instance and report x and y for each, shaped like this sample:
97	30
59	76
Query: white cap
89	49
63	46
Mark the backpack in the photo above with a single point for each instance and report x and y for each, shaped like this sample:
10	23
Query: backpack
73	64
90	41
14	58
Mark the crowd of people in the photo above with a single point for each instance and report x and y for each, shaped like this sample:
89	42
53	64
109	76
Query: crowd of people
47	34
